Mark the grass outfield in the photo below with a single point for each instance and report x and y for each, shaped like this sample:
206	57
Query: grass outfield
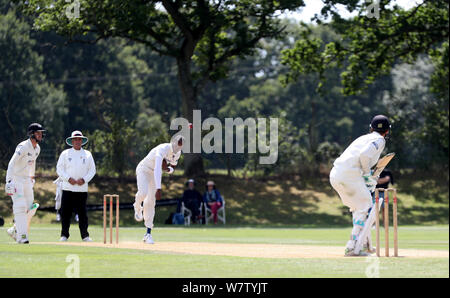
264	217
49	260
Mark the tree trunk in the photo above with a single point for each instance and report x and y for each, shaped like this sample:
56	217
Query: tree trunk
228	161
312	129
313	139
193	162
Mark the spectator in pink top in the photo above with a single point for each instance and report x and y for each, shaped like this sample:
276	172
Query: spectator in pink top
212	199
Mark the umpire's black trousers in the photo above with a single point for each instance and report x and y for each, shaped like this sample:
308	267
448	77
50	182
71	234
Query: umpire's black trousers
74	202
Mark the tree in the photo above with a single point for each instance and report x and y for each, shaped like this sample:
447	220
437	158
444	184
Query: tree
25	95
202	36
372	44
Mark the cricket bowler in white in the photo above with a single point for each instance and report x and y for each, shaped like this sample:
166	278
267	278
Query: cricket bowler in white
351	177
20	182
148	175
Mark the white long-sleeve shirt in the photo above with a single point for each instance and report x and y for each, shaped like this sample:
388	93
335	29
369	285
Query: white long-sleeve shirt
75	164
153	161
23	162
362	154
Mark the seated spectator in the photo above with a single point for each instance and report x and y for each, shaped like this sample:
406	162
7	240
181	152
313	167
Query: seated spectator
192	199
212	199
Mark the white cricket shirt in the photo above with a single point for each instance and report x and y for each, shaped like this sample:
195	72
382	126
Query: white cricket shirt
23	162
75	164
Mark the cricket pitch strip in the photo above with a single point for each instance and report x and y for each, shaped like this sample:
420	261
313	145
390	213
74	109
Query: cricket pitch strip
248	250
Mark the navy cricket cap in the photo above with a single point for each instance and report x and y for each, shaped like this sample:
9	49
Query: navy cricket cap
380	123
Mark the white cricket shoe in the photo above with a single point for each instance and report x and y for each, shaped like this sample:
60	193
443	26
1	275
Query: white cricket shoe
12	232
148	239
63	239
77	219
369	250
58	217
138	216
87	239
23	240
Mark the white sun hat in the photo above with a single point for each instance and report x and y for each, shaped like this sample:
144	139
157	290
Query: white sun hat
76	134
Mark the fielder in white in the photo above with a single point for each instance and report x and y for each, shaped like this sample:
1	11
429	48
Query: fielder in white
163	157
58	195
20	182
351	178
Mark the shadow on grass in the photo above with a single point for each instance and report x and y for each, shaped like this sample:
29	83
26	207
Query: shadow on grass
425	189
264	202
422	214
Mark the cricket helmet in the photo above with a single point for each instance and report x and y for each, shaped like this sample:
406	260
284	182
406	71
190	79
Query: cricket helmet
380	123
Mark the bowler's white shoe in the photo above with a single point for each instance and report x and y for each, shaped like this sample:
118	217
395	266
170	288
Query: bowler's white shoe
87	239
23	240
138	216
63	239
148	239
12	232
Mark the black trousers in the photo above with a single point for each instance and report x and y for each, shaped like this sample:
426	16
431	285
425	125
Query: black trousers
74	202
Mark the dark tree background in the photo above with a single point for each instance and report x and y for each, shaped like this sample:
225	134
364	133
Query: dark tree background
124	69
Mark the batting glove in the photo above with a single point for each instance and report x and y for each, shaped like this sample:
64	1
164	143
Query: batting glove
371	183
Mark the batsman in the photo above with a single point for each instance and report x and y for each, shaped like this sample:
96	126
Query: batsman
20	182
352	179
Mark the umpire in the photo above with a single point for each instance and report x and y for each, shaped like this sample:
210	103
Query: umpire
76	168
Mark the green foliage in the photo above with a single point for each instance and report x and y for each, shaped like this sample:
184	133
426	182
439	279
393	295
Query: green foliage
436	129
416	113
122	146
123	94
328	152
203	36
371	46
25	95
210	33
368	49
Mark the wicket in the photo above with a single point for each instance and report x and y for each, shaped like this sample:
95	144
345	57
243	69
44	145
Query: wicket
386	220
111	211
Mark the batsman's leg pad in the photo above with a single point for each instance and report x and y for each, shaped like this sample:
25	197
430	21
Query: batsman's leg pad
20	210
366	232
359	220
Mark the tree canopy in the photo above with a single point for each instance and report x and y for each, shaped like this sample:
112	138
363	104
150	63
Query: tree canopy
203	36
122	94
371	45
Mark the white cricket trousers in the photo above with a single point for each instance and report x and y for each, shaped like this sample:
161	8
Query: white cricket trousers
22	201
146	193
354	194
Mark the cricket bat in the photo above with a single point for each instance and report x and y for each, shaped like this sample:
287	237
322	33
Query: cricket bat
382	163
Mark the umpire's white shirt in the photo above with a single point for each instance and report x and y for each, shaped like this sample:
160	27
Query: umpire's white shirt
75	164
